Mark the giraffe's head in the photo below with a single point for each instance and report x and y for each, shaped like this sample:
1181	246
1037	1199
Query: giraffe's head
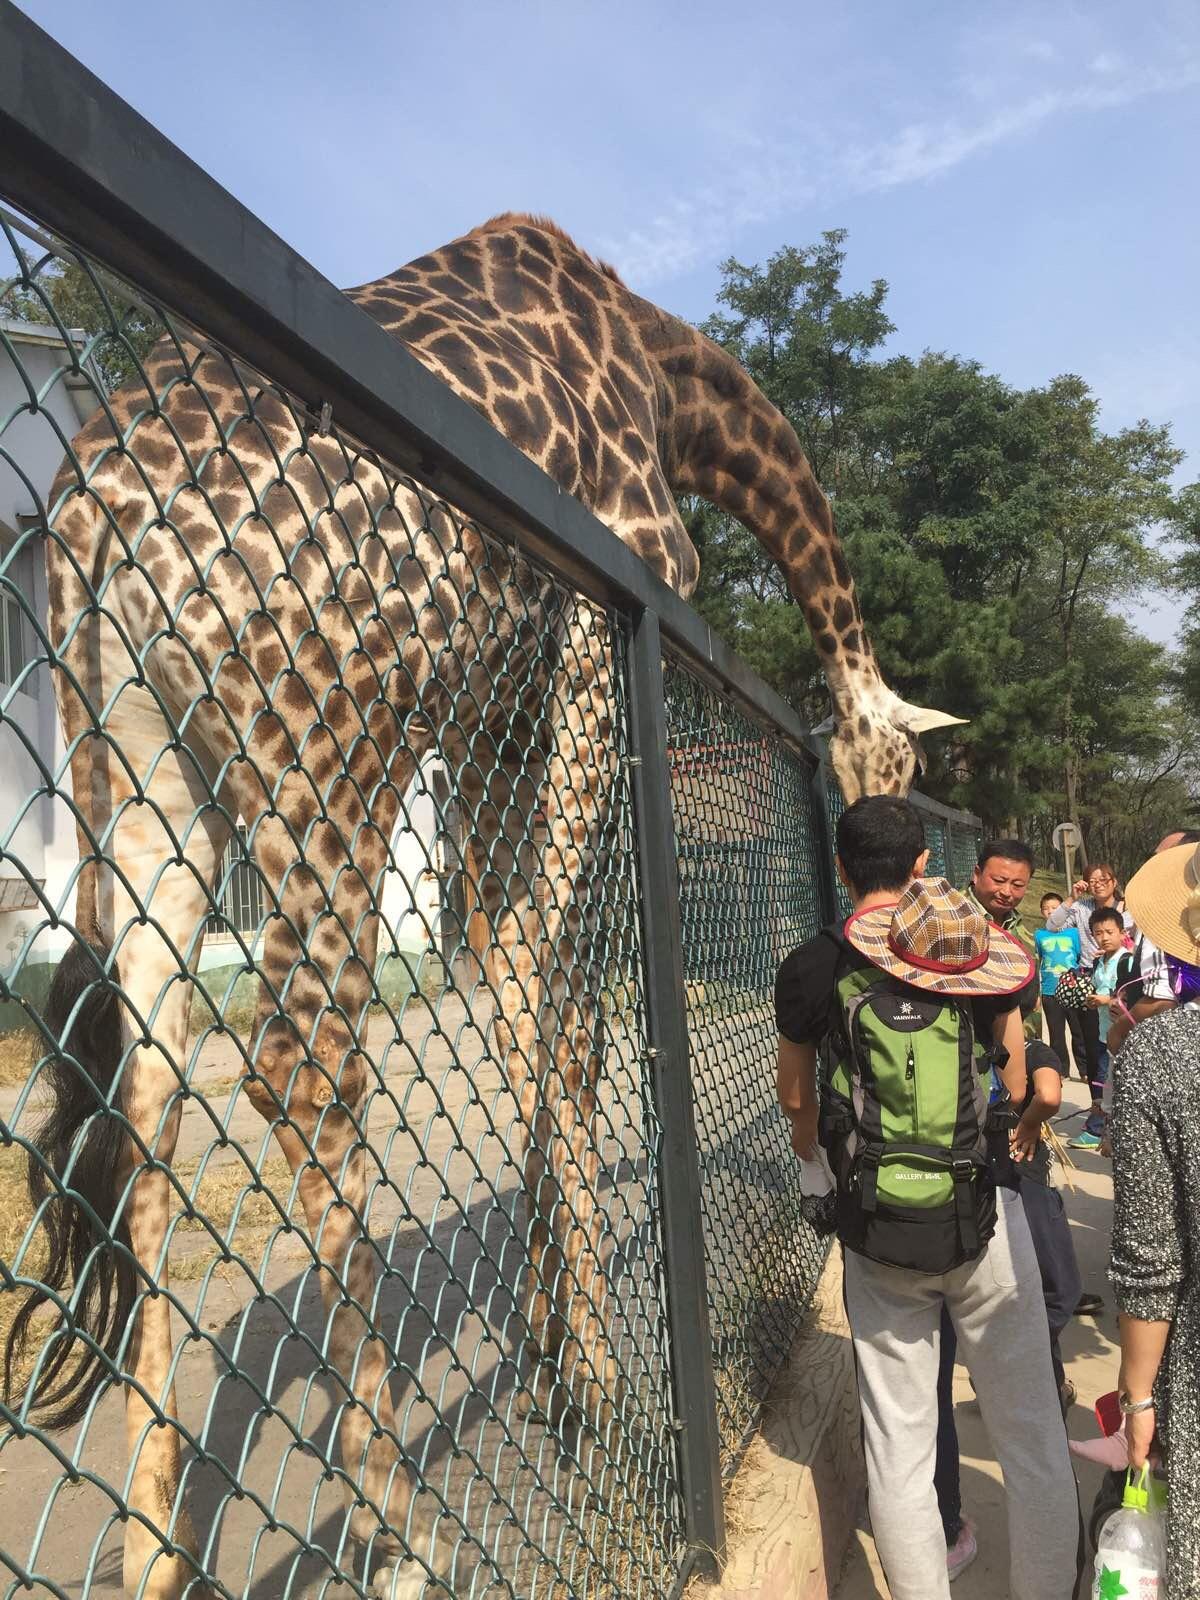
878	750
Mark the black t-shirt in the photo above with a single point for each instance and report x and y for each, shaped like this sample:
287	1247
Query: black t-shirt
805	1001
1037	1057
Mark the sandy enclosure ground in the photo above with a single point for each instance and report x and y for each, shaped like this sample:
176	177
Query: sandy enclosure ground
447	1217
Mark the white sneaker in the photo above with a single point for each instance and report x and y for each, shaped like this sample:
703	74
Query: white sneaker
963	1551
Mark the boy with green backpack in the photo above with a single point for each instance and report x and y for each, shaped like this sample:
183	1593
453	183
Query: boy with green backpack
913	1006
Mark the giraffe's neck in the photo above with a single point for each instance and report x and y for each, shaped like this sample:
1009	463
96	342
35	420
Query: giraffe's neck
722	439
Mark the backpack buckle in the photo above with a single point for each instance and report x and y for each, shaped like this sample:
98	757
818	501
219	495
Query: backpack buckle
962	1170
872	1156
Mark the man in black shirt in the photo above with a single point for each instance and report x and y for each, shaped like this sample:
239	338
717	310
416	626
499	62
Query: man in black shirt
994	1299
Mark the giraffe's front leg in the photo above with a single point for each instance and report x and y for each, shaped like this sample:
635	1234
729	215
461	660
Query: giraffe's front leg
548	974
311	1082
150	1569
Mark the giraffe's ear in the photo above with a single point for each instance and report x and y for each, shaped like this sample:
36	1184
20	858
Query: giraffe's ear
918	719
828	726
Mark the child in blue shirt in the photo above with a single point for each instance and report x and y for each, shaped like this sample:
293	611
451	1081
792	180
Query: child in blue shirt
1057	952
1108	929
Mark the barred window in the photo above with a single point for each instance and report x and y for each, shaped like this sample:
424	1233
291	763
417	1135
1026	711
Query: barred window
16	575
241	904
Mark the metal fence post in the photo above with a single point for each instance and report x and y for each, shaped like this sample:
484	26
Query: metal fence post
666	1004
826	848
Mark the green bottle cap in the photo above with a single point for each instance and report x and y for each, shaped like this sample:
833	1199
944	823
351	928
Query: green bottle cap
1137	1492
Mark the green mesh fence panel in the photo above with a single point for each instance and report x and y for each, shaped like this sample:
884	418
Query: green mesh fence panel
342	1259
935	840
964	851
836	803
748	895
953	843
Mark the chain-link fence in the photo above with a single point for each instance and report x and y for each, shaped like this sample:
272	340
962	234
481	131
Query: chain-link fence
367	880
443	1273
962	850
953	839
749	892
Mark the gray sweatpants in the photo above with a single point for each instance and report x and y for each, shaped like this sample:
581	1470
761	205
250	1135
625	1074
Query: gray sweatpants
997	1309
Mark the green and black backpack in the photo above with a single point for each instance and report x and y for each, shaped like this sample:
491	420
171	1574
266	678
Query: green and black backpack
905	1119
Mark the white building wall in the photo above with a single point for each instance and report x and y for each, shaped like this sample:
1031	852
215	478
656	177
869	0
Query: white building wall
411	893
37	835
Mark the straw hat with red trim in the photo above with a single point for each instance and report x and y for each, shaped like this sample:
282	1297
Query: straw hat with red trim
936	938
1164	898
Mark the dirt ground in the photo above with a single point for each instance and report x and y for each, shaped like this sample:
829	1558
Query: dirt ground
1090	1349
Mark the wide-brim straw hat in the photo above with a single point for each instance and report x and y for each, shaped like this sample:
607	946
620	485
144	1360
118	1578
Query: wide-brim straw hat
1163	897
936	938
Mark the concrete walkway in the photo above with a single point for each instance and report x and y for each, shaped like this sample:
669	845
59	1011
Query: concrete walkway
1089	1346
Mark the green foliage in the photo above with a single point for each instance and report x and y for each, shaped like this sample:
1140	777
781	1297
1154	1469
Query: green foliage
996	536
75	295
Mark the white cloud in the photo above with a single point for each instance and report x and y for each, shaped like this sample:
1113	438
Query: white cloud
924	150
773	179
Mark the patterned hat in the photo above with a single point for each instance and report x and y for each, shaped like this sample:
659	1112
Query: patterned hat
936	938
1164	897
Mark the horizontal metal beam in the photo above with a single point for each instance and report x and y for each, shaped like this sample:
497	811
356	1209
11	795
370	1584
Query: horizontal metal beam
924	802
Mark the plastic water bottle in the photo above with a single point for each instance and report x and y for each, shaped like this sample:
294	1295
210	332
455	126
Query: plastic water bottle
1131	1555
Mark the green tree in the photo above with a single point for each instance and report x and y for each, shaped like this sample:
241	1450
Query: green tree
74	295
807	345
1103	497
995	535
1186	526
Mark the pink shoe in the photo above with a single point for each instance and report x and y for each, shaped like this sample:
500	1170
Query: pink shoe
963	1551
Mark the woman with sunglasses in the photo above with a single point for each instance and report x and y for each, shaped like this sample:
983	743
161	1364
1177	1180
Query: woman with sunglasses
1156	1211
1097	890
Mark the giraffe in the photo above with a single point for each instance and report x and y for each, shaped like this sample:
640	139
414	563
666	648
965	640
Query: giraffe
279	629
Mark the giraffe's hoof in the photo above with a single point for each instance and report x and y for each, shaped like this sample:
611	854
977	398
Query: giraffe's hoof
543	1397
407	1580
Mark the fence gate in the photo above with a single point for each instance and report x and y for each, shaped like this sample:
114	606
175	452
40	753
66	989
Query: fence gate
392	880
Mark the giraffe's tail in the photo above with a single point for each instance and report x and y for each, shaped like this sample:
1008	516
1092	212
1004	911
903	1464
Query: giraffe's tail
75	1156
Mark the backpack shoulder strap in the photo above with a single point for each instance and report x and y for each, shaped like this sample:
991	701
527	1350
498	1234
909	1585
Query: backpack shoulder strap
846	953
838	1041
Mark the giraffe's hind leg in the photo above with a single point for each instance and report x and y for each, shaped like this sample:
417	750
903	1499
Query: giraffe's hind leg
166	840
506	929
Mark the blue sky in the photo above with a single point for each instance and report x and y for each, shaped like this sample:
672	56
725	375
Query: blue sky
1024	176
